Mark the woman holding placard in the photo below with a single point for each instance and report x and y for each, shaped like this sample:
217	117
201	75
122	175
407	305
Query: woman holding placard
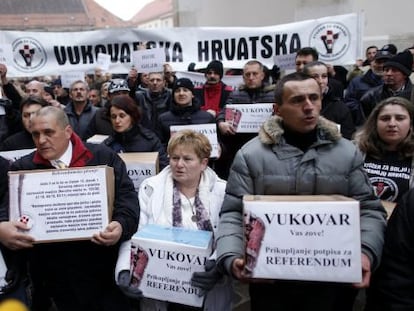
187	194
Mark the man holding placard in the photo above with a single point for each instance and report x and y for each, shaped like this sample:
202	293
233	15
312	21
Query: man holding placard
237	121
76	274
298	152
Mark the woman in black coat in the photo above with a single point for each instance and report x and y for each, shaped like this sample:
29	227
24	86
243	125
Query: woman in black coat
128	135
392	285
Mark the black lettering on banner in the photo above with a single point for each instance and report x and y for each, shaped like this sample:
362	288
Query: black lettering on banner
244	48
119	52
294	43
254	46
87	56
267	48
230	48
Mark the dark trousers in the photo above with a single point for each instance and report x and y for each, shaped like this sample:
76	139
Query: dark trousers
281	296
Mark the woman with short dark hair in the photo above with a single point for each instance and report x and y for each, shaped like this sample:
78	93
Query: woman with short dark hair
128	135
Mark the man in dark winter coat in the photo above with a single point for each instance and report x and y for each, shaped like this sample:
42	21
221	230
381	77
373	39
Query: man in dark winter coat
360	85
80	110
253	91
298	152
184	110
154	100
397	71
78	275
23	139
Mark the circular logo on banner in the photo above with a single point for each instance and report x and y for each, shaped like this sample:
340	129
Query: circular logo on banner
331	40
385	188
28	54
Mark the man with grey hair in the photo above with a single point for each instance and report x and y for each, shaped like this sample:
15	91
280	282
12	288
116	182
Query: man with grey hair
76	275
80	110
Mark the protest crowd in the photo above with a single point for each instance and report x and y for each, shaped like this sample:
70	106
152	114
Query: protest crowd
328	130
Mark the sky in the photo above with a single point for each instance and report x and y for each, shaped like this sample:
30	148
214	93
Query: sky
124	9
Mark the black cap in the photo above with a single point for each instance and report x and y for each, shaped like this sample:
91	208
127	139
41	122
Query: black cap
390	48
383	54
183	82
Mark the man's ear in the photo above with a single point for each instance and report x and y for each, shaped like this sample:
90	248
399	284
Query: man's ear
68	131
276	110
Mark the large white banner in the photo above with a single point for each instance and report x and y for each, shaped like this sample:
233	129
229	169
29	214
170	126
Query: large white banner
337	38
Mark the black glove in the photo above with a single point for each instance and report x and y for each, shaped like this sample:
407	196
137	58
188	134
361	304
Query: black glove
206	280
191	67
13	280
124	280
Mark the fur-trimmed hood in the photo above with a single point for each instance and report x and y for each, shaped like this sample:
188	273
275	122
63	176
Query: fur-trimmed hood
272	130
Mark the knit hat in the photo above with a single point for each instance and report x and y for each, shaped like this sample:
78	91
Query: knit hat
183	82
402	61
216	66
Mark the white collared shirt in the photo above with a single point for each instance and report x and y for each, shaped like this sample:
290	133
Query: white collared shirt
66	156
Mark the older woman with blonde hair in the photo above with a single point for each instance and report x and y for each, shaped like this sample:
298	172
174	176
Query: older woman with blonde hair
188	194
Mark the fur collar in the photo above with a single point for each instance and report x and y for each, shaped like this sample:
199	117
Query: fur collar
272	130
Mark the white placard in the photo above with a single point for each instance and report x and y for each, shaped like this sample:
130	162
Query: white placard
140	166
247	118
13	155
151	60
208	129
199	79
233	81
97	139
303	238
164	259
68	78
6	54
64	204
285	62
103	61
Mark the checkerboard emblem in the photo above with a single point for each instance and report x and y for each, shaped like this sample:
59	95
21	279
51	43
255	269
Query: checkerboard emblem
27	54
329	40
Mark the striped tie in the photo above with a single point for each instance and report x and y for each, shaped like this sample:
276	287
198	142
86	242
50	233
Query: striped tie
60	164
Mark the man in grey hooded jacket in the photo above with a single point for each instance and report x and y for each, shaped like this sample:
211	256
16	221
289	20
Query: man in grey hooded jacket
298	152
